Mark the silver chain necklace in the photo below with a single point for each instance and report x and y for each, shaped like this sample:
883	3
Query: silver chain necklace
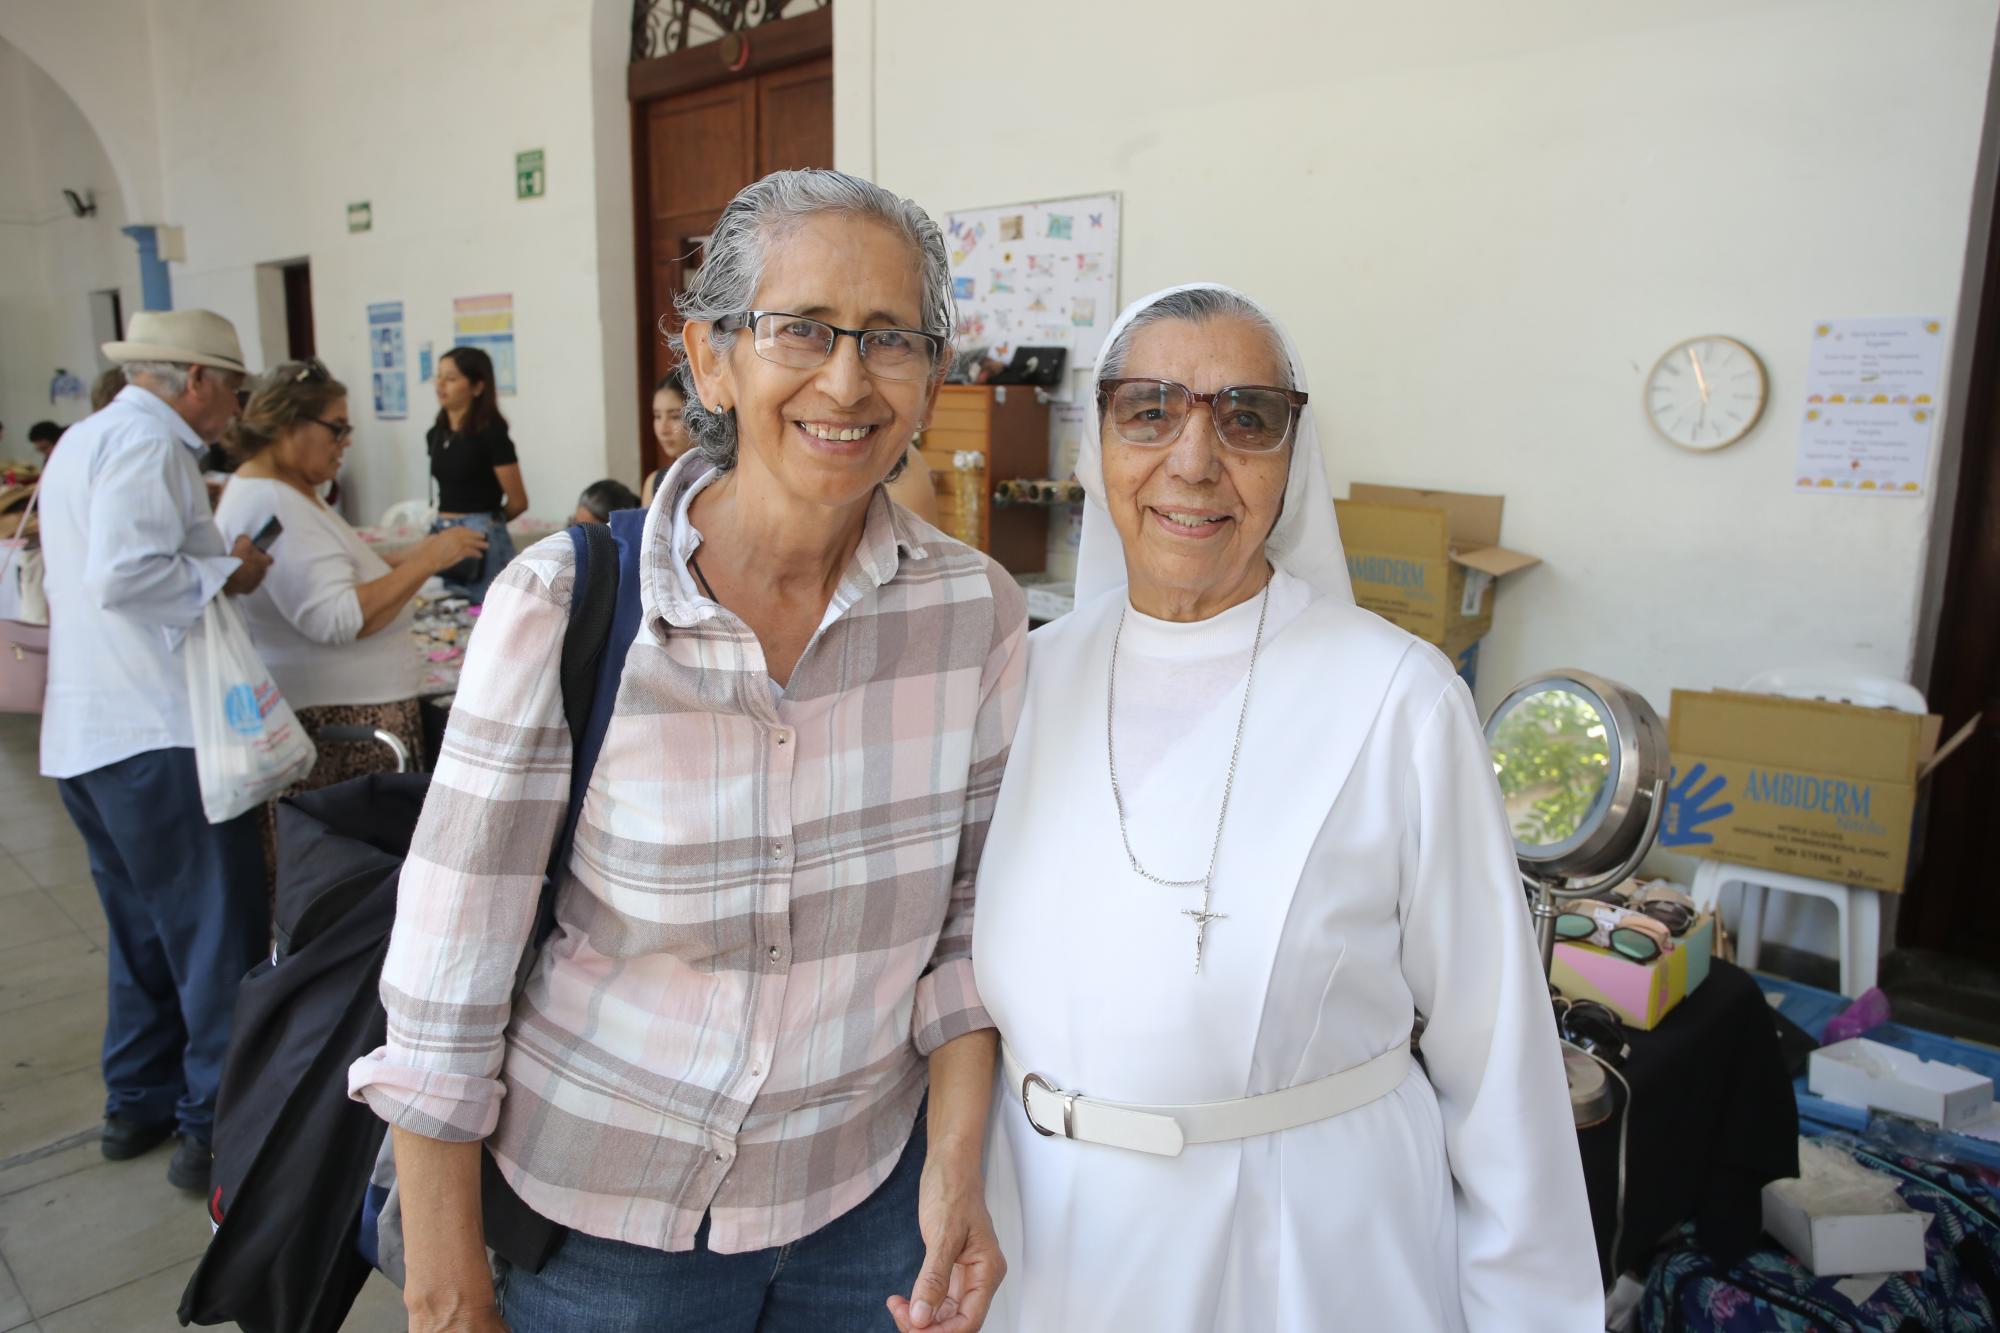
1201	916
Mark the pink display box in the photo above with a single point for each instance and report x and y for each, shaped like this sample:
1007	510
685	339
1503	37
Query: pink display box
1641	993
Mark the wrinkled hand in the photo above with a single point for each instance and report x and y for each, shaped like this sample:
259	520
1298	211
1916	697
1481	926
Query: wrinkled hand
487	1320
452	545
454	1310
251	573
962	1260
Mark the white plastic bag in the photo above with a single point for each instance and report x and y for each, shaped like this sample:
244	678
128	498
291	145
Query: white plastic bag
248	746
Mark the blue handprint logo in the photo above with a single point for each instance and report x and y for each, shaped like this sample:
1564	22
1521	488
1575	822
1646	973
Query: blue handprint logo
1688	808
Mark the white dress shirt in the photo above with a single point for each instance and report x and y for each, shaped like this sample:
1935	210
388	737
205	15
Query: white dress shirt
305	618
131	555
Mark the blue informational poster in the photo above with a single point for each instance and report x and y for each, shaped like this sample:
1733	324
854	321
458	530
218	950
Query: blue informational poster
386	362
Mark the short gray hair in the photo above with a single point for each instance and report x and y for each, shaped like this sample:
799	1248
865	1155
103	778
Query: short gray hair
1196	305
169	378
732	266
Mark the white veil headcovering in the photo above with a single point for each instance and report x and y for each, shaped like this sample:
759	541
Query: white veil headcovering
1305	542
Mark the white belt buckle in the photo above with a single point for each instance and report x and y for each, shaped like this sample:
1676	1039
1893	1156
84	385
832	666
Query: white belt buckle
1068	1101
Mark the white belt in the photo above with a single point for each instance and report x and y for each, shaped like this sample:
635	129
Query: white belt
1166	1129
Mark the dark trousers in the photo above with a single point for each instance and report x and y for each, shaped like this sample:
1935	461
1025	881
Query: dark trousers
187	912
836	1280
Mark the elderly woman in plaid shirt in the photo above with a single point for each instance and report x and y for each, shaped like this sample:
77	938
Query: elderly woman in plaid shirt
750	1071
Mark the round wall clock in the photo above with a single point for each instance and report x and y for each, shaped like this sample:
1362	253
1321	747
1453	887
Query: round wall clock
1706	393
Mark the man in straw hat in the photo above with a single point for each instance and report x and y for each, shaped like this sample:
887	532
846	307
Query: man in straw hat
132	556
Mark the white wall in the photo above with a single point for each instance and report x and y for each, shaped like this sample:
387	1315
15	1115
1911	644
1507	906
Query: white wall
269	119
285	114
1484	223
101	54
49	260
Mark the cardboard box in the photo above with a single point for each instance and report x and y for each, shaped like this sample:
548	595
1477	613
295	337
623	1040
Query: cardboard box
1825	790
1427	560
1641	993
1864	1073
1833	1242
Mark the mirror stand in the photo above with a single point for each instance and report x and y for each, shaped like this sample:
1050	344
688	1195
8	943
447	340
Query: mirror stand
1549	889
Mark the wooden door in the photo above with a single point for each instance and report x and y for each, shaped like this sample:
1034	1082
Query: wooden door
699	136
701	149
795	117
1951	905
299	338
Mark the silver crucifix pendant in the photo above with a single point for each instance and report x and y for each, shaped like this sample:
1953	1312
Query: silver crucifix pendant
1201	917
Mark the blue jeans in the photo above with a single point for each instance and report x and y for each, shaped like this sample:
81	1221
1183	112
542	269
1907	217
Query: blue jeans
834	1281
186	908
499	551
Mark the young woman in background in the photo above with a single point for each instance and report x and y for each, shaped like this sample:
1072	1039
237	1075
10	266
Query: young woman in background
478	475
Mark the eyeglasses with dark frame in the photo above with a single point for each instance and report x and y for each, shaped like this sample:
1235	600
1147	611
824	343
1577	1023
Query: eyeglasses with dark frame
1249	418
1593	1026
802	343
341	429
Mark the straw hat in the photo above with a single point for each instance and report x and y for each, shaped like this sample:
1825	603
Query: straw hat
184	337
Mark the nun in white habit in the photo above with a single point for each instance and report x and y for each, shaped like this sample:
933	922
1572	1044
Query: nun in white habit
1248	837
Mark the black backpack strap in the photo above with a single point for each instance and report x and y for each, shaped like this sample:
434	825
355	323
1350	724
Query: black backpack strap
593	600
603	618
591	603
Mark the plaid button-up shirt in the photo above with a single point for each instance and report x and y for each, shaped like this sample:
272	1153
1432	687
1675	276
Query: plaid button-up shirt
766	924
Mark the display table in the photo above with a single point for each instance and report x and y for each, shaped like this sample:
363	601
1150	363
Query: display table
525	530
1713	1119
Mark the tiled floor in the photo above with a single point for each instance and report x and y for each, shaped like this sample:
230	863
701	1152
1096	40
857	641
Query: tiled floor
85	1244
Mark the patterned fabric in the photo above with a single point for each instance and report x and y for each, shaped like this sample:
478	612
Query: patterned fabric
765	925
341	760
1771	1292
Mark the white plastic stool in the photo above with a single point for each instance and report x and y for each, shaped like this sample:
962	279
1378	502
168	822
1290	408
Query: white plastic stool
1860	909
1860	912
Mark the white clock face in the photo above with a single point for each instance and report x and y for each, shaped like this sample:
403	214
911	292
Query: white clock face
1706	393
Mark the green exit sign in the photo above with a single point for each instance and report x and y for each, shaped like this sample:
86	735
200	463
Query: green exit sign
530	180
360	217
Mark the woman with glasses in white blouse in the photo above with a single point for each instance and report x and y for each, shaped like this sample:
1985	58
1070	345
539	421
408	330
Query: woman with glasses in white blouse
334	625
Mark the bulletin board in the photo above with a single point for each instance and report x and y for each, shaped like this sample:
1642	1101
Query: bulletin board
1036	275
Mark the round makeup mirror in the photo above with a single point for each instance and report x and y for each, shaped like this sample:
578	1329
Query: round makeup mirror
1582	766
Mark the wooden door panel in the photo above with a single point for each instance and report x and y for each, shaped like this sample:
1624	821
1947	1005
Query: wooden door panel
795	118
1951	905
693	151
703	149
676	255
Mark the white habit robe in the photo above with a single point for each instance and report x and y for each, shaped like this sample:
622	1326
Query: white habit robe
1366	877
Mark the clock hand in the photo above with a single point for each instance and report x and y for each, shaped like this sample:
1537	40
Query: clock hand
1701	380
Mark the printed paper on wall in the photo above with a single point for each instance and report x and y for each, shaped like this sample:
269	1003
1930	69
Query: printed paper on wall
1036	275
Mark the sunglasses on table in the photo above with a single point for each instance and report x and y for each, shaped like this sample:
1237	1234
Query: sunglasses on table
1624	931
1249	418
800	343
1665	904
